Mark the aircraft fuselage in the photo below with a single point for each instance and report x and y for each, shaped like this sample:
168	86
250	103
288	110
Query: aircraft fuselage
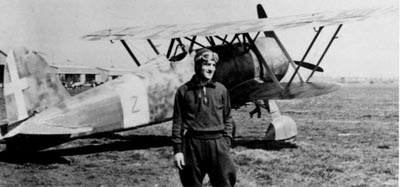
147	95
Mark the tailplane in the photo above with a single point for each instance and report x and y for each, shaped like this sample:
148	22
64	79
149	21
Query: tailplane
30	86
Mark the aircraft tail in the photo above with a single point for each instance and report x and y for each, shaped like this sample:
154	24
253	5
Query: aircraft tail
30	86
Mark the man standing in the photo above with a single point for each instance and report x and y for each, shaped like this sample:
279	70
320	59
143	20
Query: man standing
202	127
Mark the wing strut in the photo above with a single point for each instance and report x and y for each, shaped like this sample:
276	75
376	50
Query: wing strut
305	55
210	40
272	34
171	45
255	38
153	46
223	40
193	40
179	41
234	38
262	15
326	50
262	60
130	52
192	44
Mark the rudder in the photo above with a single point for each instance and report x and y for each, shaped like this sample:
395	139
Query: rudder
30	86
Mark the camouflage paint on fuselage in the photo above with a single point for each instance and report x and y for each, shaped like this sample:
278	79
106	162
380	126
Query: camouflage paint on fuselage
236	65
27	72
164	78
145	96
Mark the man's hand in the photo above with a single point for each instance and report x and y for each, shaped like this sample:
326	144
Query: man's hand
179	160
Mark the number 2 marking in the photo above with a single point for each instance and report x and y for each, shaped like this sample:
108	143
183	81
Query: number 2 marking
134	101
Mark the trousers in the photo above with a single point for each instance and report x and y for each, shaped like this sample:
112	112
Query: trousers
207	156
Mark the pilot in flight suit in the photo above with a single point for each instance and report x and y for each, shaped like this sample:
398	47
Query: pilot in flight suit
202	127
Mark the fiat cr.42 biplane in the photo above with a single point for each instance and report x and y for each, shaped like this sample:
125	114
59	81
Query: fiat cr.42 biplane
253	61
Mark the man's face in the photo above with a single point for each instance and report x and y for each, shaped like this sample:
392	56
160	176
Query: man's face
208	69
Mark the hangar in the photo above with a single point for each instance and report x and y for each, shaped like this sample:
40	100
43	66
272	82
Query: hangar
81	73
112	73
75	73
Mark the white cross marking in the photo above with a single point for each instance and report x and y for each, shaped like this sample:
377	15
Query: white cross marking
15	86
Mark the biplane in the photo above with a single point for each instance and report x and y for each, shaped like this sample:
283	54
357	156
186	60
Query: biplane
253	61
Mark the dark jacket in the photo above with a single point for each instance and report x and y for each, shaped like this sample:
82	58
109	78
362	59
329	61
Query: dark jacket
201	109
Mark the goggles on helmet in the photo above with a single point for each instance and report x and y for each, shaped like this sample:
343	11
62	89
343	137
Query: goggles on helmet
208	56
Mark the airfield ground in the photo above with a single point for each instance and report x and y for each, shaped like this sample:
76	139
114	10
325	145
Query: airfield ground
346	138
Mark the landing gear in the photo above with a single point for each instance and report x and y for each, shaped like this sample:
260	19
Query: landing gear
282	127
259	104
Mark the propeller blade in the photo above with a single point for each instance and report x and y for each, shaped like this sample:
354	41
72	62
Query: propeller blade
309	66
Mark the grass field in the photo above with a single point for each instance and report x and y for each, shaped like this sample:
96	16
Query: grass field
347	138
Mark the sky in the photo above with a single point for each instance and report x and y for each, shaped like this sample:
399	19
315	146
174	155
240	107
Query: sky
363	49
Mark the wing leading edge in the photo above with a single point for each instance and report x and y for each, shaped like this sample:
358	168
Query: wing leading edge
247	26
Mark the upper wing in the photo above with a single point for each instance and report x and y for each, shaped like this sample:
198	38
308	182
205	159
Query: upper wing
212	29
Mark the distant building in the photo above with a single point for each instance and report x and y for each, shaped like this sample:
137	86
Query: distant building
75	73
81	73
112	73
3	57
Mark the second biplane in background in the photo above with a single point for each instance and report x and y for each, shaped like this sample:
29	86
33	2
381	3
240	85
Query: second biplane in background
253	61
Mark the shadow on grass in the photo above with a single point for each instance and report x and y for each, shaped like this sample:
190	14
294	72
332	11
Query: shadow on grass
39	158
120	143
254	143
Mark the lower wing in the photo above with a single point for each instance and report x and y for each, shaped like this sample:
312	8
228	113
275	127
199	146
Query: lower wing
253	90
